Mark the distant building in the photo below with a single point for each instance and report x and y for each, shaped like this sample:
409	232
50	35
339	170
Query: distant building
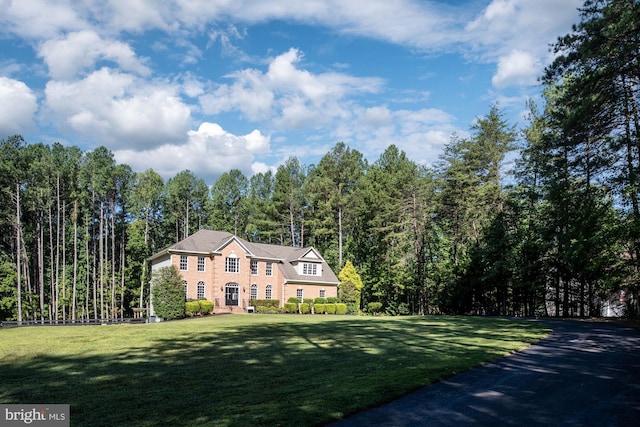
230	271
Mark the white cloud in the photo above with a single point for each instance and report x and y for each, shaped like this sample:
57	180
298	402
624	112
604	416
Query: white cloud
507	25
260	167
39	18
79	51
208	152
421	133
504	31
517	68
116	108
18	105
248	94
376	116
291	97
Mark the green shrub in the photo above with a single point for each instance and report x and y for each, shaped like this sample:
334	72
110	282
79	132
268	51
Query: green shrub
206	307
192	308
320	301
308	301
269	303
305	308
330	308
290	307
374	307
352	308
341	308
294	299
318	308
167	293
333	300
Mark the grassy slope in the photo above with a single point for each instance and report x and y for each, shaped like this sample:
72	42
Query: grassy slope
243	369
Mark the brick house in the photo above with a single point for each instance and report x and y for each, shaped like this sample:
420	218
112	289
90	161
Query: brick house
230	271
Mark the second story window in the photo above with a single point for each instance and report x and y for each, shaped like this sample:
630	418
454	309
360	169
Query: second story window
184	262
269	269
310	269
232	265
254	268
200	263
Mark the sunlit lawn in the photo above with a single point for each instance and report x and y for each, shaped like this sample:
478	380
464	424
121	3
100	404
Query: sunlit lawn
237	370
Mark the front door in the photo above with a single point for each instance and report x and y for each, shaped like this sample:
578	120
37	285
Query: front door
231	294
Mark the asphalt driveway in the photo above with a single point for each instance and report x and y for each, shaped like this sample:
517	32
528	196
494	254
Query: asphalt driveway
583	374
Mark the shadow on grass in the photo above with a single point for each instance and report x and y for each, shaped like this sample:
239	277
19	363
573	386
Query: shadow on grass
273	373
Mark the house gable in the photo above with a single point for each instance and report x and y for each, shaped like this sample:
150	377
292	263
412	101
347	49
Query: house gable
312	256
231	241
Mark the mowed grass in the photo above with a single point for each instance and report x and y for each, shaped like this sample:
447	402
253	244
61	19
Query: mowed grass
237	370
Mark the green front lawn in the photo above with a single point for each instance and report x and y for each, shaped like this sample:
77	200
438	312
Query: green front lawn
237	370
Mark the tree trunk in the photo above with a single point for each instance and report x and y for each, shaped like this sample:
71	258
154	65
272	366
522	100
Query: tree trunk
40	246
101	258
339	236
75	260
18	254
113	261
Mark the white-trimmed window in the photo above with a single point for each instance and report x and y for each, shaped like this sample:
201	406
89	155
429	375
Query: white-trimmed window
186	289
200	263
184	262
300	294
200	290
254	268
267	292
232	264
254	291
323	293
309	269
269	269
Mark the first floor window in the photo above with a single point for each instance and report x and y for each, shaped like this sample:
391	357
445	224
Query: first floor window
232	265
184	264
267	292
200	290
254	291
186	289
323	293
299	294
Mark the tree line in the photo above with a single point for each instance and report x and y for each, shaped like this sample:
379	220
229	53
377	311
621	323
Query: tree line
559	236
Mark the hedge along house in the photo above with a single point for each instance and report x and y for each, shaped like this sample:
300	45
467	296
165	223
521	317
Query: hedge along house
230	271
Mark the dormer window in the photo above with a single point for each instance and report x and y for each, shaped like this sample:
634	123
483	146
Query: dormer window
309	269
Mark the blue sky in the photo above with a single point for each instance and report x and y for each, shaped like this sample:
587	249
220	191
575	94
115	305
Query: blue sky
211	85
